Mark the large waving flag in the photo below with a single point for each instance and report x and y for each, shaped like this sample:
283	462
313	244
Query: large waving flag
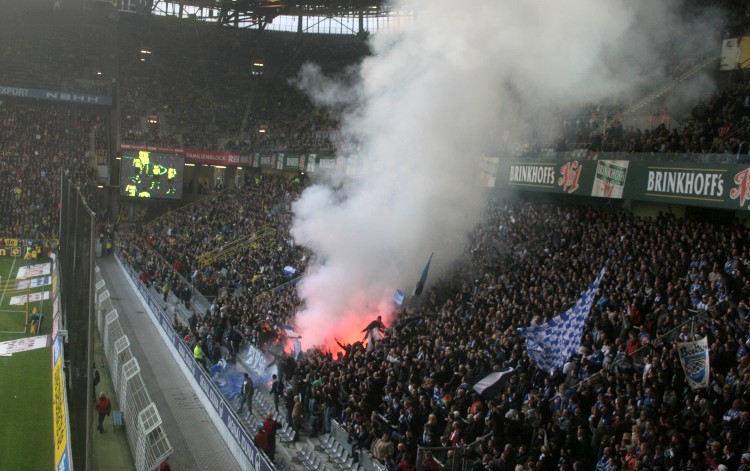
552	343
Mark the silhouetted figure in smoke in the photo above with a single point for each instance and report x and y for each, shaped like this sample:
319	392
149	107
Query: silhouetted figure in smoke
374	333
350	348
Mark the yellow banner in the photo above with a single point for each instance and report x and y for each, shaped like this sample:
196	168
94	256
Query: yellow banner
10	242
58	409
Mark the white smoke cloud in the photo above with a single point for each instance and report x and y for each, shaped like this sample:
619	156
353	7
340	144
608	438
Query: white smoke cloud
426	105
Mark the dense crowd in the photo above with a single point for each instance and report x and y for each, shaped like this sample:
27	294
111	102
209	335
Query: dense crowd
720	125
60	51
252	108
620	403
38	141
244	286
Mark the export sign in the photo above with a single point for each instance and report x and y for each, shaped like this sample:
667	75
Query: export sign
54	95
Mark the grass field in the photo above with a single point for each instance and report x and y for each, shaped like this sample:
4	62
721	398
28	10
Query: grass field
26	435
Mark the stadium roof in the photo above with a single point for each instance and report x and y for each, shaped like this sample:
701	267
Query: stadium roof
298	7
355	16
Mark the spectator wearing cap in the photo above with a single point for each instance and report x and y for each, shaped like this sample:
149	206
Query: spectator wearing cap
744	462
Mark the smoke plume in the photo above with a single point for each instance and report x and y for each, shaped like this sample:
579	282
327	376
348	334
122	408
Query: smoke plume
462	81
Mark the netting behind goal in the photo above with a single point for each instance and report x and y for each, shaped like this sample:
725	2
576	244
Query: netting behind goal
77	295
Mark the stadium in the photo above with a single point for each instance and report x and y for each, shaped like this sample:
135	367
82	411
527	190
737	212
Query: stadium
349	235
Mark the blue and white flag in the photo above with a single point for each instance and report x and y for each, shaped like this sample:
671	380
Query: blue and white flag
398	298
552	343
694	360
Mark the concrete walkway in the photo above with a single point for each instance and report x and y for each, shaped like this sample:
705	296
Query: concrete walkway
111	450
197	445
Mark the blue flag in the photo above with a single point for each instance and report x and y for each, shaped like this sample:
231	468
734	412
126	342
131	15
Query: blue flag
398	298
552	343
423	278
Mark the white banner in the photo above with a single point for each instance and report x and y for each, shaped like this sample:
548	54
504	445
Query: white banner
32	283
35	270
694	359
31	298
22	345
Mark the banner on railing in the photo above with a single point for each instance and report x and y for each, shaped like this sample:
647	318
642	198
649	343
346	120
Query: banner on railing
243	440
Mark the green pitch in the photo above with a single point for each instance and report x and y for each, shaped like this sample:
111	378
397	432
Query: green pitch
26	435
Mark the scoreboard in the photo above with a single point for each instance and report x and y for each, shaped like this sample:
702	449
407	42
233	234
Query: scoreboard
145	174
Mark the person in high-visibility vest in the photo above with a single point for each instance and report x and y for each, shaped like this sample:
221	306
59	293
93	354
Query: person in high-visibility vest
199	354
29	255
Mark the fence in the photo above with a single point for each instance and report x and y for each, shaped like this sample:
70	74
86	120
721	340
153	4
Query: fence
223	416
76	258
149	444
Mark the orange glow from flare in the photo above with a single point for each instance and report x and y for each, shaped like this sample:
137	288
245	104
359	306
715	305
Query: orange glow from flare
349	330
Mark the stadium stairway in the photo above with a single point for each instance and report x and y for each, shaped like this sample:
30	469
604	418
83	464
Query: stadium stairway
196	442
329	452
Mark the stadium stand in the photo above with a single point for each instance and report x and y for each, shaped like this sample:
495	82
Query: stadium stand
622	402
38	141
612	397
204	112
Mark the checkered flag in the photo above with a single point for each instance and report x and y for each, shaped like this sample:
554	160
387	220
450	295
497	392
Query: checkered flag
550	344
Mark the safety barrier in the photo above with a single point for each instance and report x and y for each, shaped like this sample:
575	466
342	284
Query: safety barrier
141	421
227	422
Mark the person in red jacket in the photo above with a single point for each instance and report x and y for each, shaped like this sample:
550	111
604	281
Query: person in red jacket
103	407
633	343
261	439
271	426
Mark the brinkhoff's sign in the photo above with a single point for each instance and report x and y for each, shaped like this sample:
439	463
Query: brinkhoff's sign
532	175
687	183
711	185
69	97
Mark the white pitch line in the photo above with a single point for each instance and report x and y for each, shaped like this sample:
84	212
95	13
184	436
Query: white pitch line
2	298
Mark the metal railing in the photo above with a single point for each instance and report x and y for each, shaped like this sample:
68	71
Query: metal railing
235	246
149	444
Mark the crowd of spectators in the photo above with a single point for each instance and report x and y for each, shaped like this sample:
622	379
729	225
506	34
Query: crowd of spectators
219	97
621	402
239	285
61	51
38	141
720	125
